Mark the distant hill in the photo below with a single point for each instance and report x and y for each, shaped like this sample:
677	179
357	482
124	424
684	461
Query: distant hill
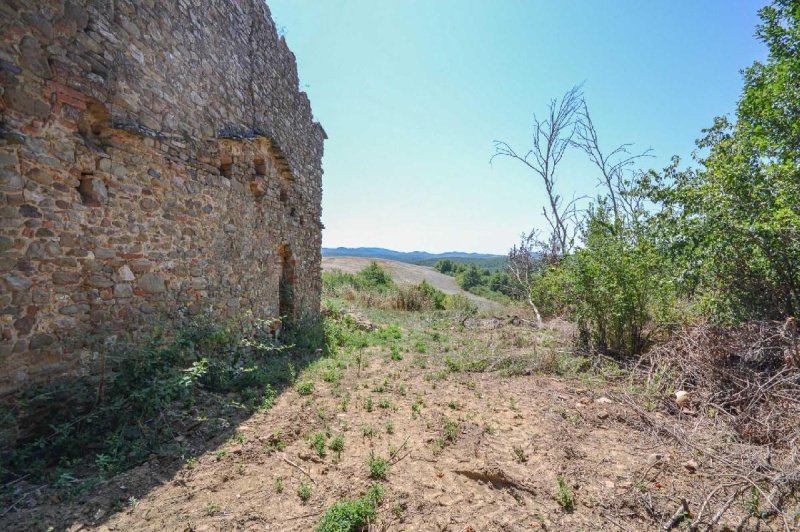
484	260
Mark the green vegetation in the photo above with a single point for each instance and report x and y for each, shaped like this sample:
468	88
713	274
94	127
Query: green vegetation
319	442
304	387
206	369
378	467
373	287
352	515
720	241
564	495
485	282
337	444
304	491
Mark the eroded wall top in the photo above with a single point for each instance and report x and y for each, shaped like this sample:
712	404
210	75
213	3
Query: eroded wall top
202	68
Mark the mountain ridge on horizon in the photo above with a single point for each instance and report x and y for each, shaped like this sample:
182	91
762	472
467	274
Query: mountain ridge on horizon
488	260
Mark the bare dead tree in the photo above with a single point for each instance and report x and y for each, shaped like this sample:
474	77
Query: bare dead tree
613	165
551	138
524	262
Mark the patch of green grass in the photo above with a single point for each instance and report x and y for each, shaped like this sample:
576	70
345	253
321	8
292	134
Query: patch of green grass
304	387
385	403
378	467
390	427
337	444
368	405
382	387
564	496
416	408
367	431
450	430
319	442
304	491
279	485
395	353
352	515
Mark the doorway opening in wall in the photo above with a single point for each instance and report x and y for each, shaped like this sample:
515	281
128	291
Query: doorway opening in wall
286	300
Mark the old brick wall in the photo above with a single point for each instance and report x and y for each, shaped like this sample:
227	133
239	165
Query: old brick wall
153	155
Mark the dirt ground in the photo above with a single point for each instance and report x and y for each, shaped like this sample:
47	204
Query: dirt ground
467	451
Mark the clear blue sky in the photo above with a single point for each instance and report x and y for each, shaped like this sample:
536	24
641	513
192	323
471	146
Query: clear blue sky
412	93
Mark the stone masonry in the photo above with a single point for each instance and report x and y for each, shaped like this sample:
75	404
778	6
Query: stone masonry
154	155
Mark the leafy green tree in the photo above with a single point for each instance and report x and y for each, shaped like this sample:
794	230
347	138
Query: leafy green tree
470	278
374	277
733	224
444	266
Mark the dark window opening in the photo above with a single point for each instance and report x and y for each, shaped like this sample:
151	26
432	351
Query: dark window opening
286	300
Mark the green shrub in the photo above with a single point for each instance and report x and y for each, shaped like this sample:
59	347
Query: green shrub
378	467
352	515
619	287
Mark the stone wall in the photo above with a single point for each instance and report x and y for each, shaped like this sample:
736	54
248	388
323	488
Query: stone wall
153	155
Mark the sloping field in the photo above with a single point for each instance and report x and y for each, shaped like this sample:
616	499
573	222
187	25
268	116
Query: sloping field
404	273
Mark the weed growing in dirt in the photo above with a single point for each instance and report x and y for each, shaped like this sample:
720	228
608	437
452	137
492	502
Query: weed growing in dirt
352	515
304	491
519	455
390	427
382	387
375	494
274	443
318	442
395	354
212	509
398	510
368	404
416	407
367	431
337	445
385	403
450	430
304	387
378	467
191	463
279	485
564	496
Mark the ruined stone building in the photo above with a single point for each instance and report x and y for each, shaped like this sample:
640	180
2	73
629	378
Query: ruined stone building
153	155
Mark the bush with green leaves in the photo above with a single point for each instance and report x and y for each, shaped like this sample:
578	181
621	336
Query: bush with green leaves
732	225
352	515
618	286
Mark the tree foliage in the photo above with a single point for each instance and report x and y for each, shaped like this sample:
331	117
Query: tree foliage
733	224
